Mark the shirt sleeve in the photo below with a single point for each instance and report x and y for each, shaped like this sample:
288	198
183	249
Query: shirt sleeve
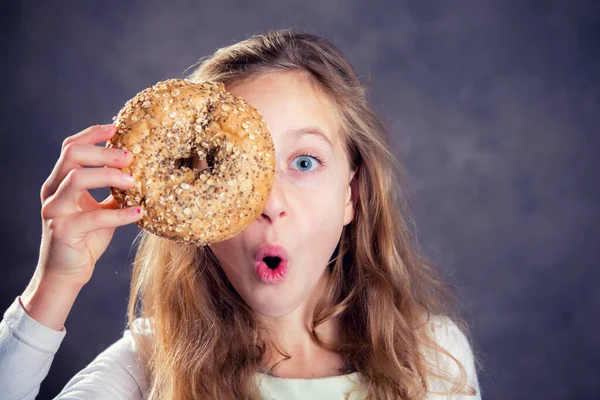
116	373
27	349
448	336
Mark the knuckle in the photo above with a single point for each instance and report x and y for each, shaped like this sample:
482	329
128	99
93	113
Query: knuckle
47	213
51	207
96	218
102	218
67	142
69	149
111	175
120	216
114	174
59	228
73	178
89	129
44	190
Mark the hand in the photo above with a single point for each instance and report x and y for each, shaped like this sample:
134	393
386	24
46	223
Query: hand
76	228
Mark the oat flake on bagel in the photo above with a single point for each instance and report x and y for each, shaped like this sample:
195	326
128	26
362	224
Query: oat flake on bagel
203	160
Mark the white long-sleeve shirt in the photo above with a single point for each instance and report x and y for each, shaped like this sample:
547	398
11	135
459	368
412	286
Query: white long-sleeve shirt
27	349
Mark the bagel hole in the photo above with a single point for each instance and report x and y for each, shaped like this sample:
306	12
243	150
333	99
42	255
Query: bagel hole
188	162
196	162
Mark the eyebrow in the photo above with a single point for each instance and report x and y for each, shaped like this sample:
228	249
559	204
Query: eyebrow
313	130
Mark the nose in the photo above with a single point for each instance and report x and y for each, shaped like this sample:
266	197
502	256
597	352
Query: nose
275	206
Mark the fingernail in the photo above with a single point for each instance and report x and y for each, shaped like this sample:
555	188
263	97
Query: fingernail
125	154
107	128
128	177
137	211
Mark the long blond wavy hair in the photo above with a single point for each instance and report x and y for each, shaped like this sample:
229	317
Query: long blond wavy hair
205	341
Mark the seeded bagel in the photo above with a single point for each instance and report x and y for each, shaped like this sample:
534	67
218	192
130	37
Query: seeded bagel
203	160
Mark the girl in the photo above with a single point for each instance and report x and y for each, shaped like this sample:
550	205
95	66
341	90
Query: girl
358	315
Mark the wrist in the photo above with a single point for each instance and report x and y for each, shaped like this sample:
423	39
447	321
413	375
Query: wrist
49	300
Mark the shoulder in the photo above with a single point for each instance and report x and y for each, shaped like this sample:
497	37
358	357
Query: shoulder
141	326
451	356
446	334
116	372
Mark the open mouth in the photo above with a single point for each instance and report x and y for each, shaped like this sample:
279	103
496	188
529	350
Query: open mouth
272	262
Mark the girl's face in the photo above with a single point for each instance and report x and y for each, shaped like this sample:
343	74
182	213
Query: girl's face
310	200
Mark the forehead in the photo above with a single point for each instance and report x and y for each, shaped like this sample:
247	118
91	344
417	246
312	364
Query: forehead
290	101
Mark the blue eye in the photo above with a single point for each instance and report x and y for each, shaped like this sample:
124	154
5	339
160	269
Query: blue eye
306	163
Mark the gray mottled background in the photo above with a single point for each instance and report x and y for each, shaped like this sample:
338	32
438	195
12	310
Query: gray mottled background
494	107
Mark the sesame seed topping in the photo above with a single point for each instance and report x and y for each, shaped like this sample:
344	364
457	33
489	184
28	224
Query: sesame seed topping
184	119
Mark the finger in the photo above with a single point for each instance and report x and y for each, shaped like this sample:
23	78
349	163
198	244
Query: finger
78	181
84	155
90	221
92	135
71	149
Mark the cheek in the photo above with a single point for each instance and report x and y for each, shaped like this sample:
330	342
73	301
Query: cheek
323	210
322	204
227	253
307	183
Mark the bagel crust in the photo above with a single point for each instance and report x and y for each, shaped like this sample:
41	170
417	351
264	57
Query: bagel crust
203	160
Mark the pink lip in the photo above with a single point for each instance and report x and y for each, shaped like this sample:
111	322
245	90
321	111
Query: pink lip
266	274
270	250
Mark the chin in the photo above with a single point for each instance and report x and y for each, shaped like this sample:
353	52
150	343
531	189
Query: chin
273	309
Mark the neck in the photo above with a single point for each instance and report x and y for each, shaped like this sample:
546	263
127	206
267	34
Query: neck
291	335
